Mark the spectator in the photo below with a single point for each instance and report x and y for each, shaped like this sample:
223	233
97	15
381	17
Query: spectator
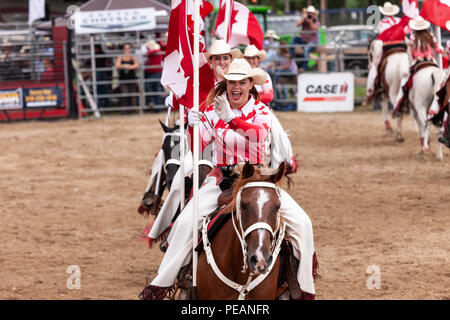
309	35
285	64
102	75
49	73
254	57
271	47
153	72
127	65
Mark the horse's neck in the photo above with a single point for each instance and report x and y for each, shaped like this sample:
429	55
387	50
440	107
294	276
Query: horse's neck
230	264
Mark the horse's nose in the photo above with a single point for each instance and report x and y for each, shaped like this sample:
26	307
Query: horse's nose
259	264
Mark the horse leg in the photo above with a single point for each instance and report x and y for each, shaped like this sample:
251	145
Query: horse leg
399	136
385	114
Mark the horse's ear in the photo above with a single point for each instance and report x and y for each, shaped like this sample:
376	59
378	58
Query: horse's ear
280	173
164	127
248	170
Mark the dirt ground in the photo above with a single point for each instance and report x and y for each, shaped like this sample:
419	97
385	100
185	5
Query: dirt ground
70	190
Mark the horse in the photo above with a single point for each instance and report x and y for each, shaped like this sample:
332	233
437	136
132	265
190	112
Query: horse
442	112
421	96
167	163
243	262
393	68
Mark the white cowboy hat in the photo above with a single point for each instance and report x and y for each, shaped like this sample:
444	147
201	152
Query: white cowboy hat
389	9
418	24
221	47
271	34
252	51
240	69
310	9
152	45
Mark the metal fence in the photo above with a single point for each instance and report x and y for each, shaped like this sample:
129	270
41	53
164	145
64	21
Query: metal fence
36	57
104	87
337	50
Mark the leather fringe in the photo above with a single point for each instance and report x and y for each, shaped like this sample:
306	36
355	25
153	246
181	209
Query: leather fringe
316	275
146	231
151	292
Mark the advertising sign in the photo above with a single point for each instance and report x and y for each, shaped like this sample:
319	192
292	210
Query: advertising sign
325	92
102	21
50	97
11	99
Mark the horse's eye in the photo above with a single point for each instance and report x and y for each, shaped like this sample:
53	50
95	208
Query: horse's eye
276	208
244	206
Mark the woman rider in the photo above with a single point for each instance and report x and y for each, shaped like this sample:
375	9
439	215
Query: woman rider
243	123
421	44
220	56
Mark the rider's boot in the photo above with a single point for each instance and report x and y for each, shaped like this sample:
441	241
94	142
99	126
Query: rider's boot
184	279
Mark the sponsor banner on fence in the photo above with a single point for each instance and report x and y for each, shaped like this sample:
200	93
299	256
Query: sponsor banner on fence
43	97
11	99
101	21
325	92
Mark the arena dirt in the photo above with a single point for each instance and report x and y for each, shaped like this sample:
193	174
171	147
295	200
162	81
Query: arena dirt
70	190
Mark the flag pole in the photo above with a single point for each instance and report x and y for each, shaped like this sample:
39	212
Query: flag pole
438	36
196	145
182	153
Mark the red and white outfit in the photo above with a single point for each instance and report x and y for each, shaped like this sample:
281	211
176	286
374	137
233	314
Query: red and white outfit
376	48
418	54
386	23
249	130
265	90
279	144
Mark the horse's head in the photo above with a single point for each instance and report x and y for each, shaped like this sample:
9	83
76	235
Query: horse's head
257	214
171	150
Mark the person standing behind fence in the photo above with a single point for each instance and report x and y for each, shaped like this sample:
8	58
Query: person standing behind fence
102	75
309	35
254	57
284	64
271	46
127	65
153	72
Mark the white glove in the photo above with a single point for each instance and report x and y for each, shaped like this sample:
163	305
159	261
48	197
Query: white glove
223	109
194	117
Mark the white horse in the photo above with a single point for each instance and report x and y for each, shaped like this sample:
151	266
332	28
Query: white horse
421	96
397	67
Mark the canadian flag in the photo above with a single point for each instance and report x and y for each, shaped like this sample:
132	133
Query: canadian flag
178	65
243	27
437	12
397	32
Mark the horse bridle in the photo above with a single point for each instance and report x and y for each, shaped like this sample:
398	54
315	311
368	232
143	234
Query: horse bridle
241	233
174	160
276	243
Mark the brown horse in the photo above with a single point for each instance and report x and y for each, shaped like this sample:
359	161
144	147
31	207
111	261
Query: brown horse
256	210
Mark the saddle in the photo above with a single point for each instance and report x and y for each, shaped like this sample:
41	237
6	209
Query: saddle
381	85
403	105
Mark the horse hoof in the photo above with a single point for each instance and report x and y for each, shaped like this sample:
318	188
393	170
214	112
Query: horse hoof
400	139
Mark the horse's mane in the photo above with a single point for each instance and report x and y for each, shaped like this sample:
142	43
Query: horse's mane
258	176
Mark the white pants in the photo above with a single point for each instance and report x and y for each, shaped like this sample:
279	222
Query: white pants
172	201
179	252
376	50
281	148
